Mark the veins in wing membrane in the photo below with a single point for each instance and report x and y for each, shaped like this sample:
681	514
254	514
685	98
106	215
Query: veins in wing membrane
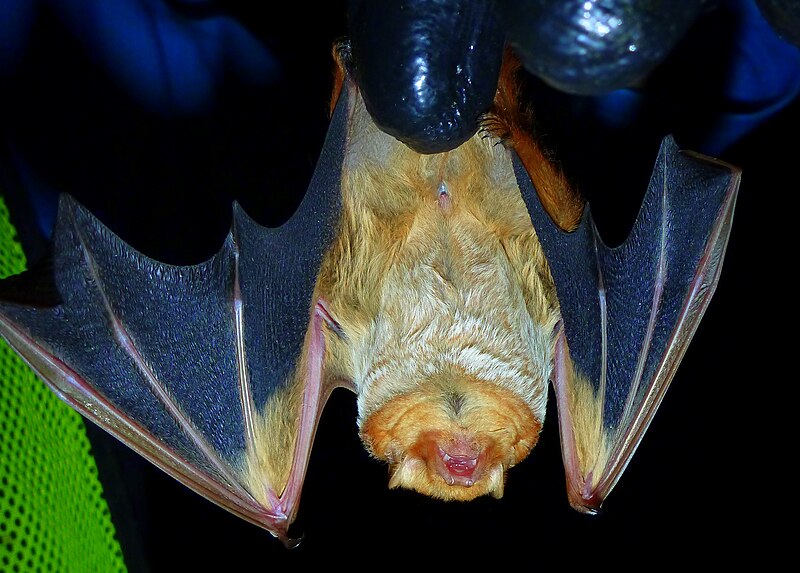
157	387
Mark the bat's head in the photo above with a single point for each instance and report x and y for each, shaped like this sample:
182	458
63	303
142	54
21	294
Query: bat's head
452	439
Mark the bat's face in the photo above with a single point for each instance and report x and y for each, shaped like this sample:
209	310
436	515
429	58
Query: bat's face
446	317
453	437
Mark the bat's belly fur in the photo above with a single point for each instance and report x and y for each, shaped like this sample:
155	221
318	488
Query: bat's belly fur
446	308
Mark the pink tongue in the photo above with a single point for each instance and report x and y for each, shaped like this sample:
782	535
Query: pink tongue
461	465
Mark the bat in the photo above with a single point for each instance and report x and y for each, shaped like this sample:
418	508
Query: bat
445	290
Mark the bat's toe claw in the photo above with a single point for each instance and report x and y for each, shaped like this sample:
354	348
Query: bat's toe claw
291	542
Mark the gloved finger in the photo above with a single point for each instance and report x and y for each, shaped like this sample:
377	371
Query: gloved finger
594	47
427	69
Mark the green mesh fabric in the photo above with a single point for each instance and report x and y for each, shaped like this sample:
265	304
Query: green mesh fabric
53	516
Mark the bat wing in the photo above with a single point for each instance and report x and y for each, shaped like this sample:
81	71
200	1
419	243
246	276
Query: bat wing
628	313
184	364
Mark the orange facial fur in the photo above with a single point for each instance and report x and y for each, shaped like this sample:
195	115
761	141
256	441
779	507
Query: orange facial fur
453	437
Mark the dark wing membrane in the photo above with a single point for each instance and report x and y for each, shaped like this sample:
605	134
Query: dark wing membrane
174	361
117	350
628	313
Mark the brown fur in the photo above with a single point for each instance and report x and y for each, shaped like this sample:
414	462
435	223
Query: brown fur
511	122
443	297
341	53
443	304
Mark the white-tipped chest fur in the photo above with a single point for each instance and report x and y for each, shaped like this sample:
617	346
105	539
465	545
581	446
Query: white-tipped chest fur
436	270
450	304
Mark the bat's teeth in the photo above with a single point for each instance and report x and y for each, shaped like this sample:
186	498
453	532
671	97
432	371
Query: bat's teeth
458	468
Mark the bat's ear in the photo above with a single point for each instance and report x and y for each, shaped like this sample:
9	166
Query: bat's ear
628	313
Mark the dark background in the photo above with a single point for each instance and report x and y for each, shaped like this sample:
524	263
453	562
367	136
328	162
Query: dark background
702	478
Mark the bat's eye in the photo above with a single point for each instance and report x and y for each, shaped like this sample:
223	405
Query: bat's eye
452	452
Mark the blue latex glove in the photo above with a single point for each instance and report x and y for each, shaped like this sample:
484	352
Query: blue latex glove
762	76
162	54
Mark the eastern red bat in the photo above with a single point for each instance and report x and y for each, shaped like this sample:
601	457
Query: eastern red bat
447	291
